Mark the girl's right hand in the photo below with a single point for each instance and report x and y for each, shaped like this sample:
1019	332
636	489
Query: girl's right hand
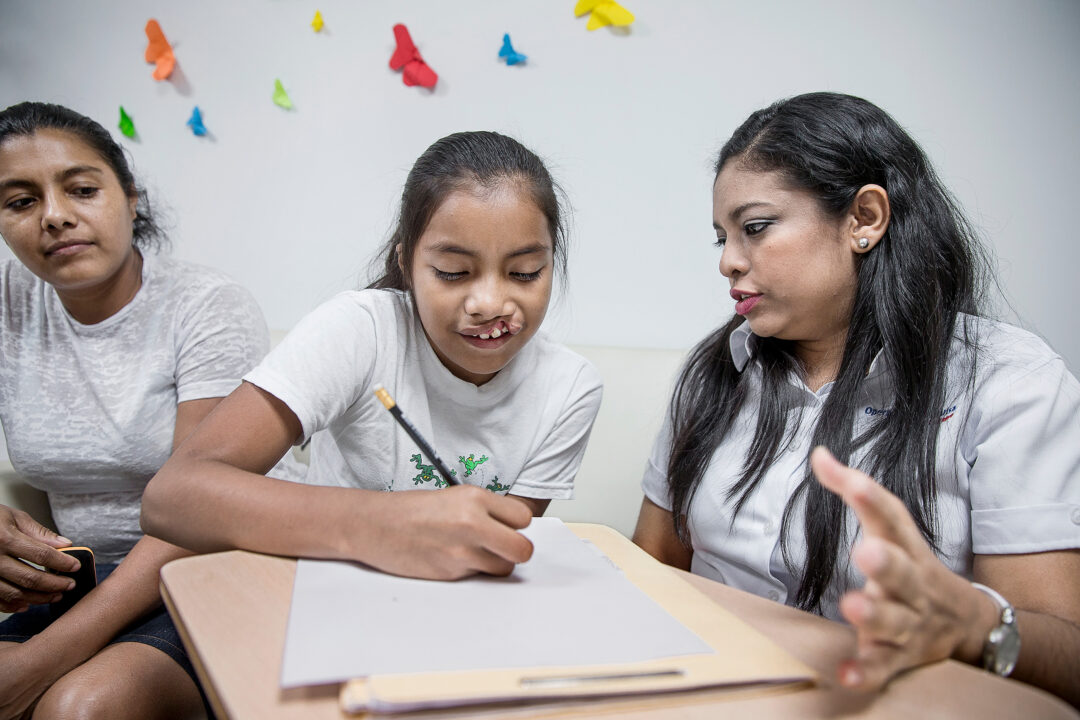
21	585
450	534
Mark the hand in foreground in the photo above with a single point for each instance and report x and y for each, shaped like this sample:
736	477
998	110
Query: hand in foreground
452	533
913	610
20	584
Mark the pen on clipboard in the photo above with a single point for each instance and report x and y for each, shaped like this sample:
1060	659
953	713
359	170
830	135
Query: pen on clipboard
389	404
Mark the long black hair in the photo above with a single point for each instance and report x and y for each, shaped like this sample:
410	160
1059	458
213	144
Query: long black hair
475	160
26	118
926	270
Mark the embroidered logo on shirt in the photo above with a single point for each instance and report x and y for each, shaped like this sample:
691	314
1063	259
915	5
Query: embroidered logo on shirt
873	411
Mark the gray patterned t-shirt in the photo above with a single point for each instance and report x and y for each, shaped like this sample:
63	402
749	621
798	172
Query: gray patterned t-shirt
89	410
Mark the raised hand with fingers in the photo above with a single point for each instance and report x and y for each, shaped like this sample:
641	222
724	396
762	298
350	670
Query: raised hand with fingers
22	541
912	610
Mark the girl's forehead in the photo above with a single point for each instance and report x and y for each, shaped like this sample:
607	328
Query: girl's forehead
497	221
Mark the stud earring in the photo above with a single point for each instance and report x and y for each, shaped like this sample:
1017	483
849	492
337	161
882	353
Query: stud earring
863	243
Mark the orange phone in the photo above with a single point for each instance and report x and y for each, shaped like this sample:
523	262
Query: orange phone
85	579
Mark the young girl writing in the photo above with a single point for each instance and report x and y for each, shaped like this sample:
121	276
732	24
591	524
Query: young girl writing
111	355
450	330
857	328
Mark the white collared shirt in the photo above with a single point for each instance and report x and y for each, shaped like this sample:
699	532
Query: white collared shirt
1008	467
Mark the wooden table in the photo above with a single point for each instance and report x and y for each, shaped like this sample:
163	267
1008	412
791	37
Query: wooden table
231	609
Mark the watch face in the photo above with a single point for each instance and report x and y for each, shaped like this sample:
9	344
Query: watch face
1005	641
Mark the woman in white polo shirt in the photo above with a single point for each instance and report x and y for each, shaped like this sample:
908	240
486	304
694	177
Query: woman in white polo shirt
856	283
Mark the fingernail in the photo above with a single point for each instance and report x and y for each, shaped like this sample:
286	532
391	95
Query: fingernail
71	584
57	597
63	539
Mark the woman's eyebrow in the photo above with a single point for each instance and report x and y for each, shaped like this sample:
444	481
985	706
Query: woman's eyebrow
15	183
79	170
22	183
740	210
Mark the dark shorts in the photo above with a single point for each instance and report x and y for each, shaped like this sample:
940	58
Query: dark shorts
155	629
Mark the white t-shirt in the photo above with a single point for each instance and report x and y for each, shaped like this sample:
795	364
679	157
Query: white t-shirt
524	431
89	410
1008	468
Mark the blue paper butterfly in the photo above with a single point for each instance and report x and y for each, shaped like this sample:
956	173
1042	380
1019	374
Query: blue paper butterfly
512	56
195	122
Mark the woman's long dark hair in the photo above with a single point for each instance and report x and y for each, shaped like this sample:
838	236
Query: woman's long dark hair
926	270
26	118
478	160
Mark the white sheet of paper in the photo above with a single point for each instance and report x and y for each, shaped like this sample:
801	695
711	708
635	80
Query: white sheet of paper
569	605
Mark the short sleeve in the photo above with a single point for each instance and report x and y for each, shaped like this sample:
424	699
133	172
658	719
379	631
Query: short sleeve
550	473
655	483
1025	475
321	366
221	336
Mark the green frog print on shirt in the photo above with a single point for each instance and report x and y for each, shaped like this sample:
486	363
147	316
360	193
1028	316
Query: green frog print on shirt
472	465
427	472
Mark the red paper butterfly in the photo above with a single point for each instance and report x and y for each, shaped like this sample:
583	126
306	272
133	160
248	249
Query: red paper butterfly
407	56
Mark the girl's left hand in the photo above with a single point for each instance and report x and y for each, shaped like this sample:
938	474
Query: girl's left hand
912	610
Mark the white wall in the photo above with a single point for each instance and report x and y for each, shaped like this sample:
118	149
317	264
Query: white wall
293	204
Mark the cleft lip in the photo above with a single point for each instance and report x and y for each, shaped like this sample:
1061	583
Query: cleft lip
486	330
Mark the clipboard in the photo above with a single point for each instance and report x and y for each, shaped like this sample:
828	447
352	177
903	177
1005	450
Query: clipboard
742	656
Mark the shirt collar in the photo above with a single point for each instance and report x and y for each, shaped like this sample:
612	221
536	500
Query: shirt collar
743	343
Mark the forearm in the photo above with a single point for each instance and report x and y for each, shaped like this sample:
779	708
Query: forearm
1049	654
208	506
128	593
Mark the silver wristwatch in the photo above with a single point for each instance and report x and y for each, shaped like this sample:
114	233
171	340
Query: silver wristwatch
1002	645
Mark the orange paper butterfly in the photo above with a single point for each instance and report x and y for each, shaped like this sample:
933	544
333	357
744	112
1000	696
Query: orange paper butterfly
159	51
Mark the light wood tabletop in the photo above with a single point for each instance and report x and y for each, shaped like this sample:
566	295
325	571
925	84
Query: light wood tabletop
231	609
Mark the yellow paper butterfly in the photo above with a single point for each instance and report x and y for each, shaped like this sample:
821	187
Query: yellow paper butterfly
603	12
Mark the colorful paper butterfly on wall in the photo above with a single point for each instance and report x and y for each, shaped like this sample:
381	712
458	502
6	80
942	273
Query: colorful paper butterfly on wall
195	122
512	56
407	59
280	97
603	12
127	125
159	51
